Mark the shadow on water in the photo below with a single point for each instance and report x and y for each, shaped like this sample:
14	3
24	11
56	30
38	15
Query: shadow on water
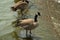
28	38
32	38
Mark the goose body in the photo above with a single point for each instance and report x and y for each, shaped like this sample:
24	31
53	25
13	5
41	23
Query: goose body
19	5
26	21
28	24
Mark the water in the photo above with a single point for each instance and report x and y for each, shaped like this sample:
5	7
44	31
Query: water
7	16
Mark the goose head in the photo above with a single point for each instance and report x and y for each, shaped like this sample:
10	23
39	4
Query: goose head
39	13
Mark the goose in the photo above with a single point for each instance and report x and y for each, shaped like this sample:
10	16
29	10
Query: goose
29	24
20	5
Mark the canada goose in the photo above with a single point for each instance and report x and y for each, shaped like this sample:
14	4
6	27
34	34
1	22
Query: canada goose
20	5
29	24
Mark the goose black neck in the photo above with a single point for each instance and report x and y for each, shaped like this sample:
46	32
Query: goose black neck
35	19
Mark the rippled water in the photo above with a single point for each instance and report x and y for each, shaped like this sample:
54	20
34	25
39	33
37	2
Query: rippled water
7	16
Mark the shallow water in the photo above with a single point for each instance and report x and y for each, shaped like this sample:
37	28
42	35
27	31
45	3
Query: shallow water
7	16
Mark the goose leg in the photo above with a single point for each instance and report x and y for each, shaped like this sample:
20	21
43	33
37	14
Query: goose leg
30	33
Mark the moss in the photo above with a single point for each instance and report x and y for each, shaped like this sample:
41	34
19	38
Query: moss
15	35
